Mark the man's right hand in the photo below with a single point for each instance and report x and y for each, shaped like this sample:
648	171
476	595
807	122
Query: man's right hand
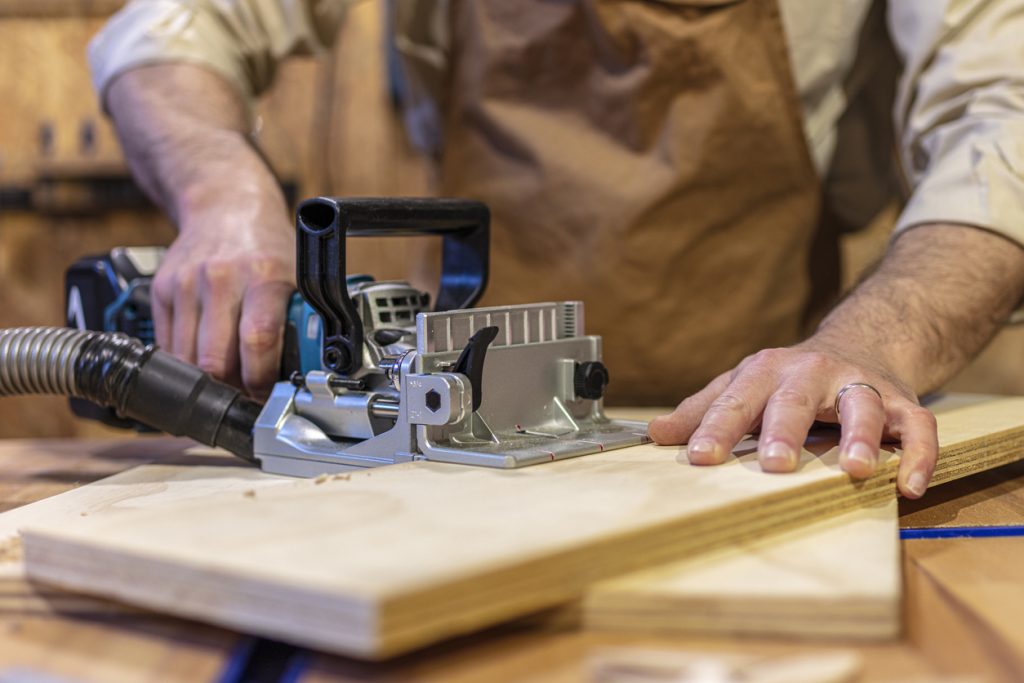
220	297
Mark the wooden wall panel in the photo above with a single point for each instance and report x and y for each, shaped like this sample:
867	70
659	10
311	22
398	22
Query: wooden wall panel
44	84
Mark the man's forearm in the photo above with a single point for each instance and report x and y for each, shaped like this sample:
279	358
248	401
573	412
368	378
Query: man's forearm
936	299
220	295
184	131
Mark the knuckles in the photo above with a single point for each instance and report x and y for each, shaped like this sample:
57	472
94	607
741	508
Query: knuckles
777	359
923	417
769	358
265	269
215	365
218	274
187	272
259	335
731	403
791	398
816	363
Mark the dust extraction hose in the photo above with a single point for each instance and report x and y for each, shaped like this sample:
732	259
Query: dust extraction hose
138	381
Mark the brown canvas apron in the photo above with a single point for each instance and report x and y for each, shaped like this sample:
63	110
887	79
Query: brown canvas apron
648	159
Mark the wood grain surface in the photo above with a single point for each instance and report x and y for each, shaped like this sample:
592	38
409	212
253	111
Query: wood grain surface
47	633
839	578
964	605
945	637
383	561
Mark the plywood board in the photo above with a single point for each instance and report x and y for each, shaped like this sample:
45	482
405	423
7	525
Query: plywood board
50	634
839	578
384	561
963	604
132	490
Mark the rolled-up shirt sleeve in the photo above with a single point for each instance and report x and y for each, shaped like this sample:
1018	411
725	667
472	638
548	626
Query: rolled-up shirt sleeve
960	112
242	40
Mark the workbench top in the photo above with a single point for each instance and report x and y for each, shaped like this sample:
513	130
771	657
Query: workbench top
964	603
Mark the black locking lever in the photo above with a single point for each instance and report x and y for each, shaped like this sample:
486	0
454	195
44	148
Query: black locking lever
471	361
323	224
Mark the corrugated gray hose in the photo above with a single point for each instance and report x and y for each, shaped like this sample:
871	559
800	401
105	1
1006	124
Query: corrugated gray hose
140	382
40	360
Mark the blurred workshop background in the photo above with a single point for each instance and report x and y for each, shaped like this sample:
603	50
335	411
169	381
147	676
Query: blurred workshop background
65	191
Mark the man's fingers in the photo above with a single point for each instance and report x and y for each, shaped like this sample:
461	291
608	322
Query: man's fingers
185	318
261	334
919	439
162	305
217	338
731	415
788	417
862	418
677	426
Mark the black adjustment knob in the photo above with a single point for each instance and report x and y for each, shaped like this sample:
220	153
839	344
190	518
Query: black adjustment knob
590	379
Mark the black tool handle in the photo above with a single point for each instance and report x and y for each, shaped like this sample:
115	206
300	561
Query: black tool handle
322	225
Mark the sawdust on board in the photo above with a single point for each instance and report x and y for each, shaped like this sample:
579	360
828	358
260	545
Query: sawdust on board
11	550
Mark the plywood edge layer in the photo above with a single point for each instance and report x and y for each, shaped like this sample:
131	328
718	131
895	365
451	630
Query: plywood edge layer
248	605
835	578
878	628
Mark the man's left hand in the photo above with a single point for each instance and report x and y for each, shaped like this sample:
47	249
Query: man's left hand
784	391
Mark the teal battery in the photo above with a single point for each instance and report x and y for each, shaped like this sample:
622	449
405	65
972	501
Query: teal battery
303	340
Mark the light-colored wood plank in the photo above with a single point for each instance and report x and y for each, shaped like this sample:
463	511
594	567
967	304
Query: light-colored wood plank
512	654
134	489
387	560
636	665
42	616
36	469
839	578
963	604
981	578
48	634
58	9
987	499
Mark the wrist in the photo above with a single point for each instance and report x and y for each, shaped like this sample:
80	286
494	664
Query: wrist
250	192
935	300
203	202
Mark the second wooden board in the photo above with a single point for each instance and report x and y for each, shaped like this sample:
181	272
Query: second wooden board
383	561
839	578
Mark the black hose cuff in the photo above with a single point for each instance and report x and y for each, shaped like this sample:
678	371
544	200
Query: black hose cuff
145	384
106	367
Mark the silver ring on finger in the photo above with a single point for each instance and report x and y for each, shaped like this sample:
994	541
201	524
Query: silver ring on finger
853	385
